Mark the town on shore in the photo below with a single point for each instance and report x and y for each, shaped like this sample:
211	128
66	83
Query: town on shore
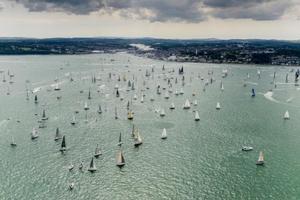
265	52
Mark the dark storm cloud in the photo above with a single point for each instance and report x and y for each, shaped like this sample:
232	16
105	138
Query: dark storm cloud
168	10
249	9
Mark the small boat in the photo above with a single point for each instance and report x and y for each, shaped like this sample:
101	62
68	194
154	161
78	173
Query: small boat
260	160
116	113
97	152
172	107
89	95
253	92
99	110
13	143
34	134
181	91
286	115
137	138
73	122
92	167
195	102
218	106
167	95
36	99
70	167
120	140
63	145
164	134
80	166
86	107
162	113
44	117
197	118
120	159
71	186
247	148
56	87
130	115
187	104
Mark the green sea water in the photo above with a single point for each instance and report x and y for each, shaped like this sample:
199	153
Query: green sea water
198	160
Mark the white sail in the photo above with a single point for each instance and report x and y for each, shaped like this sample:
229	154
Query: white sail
181	91
197	117
187	104
172	106
162	113
286	115
218	106
195	102
260	160
86	107
34	134
164	134
167	95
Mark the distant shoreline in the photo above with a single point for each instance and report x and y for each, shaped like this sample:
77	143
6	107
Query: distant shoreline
262	52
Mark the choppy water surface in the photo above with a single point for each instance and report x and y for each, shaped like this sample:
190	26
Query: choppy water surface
198	160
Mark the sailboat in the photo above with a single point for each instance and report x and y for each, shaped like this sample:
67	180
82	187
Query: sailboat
120	159
167	95
13	143
81	165
36	99
130	115
197	118
120	140
135	97
57	135
164	134
222	86
34	134
86	107
63	145
137	138
44	117
71	186
117	93
286	115
172	107
253	93
89	96
162	113
142	99
97	152
187	104
116	113
133	131
195	102
176	92
260	160
181	91
73	122
71	167
99	109
218	106
56	88
92	167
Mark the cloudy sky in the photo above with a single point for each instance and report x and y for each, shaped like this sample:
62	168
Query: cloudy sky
271	19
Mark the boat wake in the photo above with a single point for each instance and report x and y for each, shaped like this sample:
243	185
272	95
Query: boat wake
269	95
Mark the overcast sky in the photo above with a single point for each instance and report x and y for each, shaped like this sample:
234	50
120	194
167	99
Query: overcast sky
269	19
